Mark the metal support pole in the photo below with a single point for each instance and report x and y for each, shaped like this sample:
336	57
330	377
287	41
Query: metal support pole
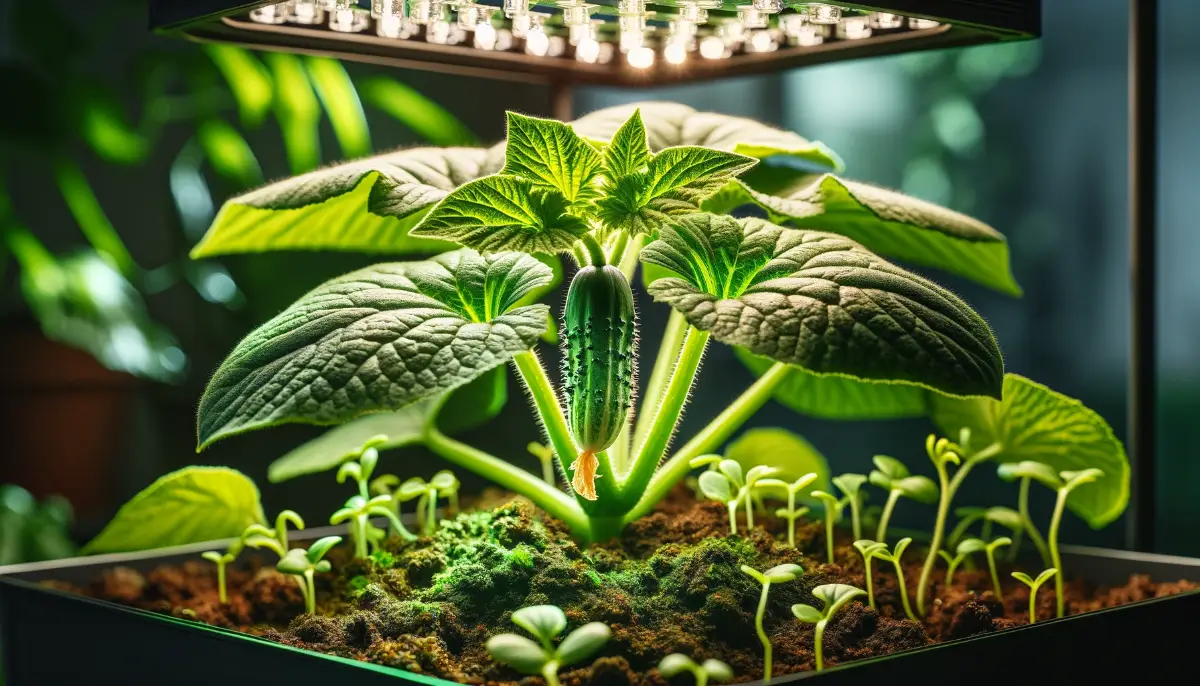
1143	173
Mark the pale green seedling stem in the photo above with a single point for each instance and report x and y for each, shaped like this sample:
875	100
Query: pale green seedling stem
990	551
1030	528
761	613
881	531
1034	585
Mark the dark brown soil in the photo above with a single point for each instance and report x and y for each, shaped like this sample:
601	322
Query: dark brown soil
671	584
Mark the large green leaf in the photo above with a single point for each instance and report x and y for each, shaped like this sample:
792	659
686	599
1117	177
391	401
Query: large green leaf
822	302
248	80
675	182
377	339
425	117
779	448
192	505
671	124
340	99
888	223
629	150
368	205
461	409
504	212
1034	423
834	396
550	154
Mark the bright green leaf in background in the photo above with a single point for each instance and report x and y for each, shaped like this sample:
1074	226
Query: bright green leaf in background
1034	423
104	127
822	302
504	213
423	116
297	110
248	80
191	505
229	153
367	205
377	339
342	105
834	396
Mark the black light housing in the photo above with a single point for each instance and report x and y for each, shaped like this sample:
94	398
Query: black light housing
602	42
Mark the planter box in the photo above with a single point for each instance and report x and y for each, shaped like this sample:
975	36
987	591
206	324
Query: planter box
51	637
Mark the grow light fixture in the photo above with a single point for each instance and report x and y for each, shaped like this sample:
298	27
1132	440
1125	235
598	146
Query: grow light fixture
609	42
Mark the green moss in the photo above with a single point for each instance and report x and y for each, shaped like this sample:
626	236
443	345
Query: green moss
383	558
358	583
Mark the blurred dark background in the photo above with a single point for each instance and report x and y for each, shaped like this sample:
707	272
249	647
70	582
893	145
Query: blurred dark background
1030	138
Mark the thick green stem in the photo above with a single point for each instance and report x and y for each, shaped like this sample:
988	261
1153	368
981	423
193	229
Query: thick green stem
550	673
86	210
1033	604
650	453
701	676
818	636
733	506
431	518
668	353
360	536
556	503
829	534
903	584
749	511
629	261
555	424
881	532
1030	528
991	558
595	250
221	594
1055	560
617	254
310	592
710	438
939	527
762	632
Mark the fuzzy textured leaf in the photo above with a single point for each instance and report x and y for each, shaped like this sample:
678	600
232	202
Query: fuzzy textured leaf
377	339
191	505
1035	423
822	302
675	182
368	205
890	224
628	152
504	213
670	124
550	154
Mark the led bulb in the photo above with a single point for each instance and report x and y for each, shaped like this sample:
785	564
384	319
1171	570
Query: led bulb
485	35
692	11
272	14
387	8
675	52
631	40
886	20
712	48
854	28
640	57
515	8
307	12
588	50
751	17
820	13
349	21
438	32
426	11
536	41
768	6
761	41
918	24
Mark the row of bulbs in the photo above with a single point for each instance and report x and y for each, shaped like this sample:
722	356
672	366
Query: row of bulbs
815	23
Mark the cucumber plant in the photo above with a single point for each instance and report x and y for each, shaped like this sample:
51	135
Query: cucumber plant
834	597
791	513
1034	585
383	350
869	550
710	669
222	560
305	564
893	476
728	485
776	575
894	556
545	623
273	539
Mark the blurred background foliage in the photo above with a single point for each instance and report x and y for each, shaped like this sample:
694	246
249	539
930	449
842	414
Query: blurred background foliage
125	144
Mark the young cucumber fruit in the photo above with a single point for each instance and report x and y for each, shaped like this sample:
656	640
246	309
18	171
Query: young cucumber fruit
599	338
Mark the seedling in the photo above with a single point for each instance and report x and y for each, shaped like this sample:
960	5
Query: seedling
851	485
944	453
791	513
275	540
893	476
990	551
1034	585
869	550
545	456
968	516
358	465
964	549
357	513
677	663
726	484
894	557
221	560
304	564
545	623
833	512
1027	472
834	596
775	575
426	493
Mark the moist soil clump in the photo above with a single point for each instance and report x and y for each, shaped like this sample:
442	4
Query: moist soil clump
671	583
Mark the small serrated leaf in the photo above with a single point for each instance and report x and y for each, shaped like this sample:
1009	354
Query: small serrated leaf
550	154
628	152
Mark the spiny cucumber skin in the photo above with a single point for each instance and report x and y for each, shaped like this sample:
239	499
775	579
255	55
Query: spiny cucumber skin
599	355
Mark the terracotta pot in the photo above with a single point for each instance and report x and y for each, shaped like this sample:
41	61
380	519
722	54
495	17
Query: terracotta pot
62	416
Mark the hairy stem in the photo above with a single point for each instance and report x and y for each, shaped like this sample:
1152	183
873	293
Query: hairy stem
668	353
818	635
1055	560
555	424
710	438
1030	528
556	503
629	260
762	633
650	453
595	250
881	532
